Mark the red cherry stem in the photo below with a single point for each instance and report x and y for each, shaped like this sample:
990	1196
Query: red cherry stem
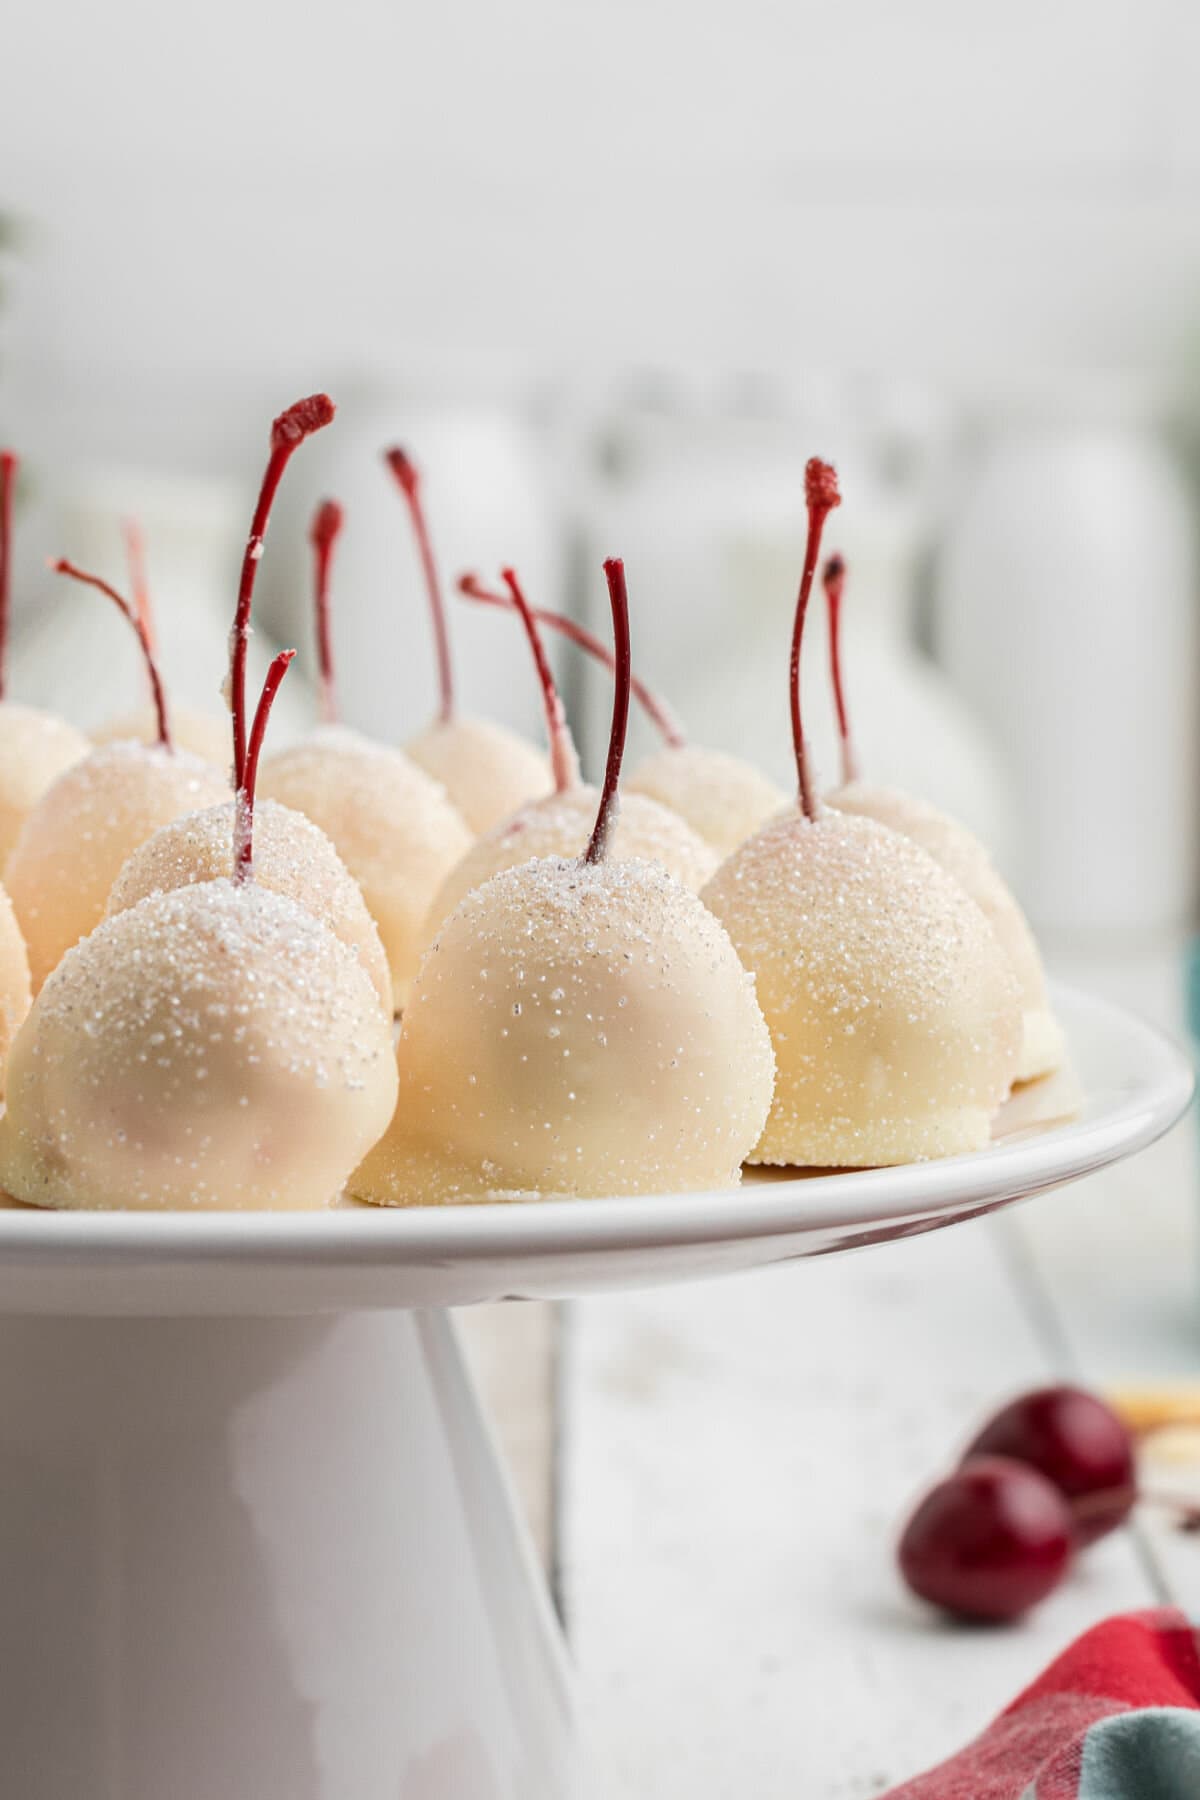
606	815
833	580
564	759
652	704
9	463
139	585
820	496
287	434
408	478
327	523
243	806
61	566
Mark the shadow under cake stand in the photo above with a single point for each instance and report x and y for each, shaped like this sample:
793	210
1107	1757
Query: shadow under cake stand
255	1542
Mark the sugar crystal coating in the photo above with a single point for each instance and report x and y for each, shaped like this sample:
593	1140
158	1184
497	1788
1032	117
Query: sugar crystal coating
391	824
487	771
574	1029
215	1047
962	855
560	825
723	798
35	749
292	856
76	840
895	1018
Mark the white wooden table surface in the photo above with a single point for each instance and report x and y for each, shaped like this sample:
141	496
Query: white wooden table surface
717	1472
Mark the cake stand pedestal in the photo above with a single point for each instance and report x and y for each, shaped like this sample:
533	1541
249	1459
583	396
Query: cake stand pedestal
255	1543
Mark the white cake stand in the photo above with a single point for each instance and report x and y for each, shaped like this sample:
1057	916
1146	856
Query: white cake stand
254	1540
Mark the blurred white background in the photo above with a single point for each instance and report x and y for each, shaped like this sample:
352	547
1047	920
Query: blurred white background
611	272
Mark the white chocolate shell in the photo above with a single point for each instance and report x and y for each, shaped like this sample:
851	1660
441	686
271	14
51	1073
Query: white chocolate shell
580	1030
216	1047
895	1018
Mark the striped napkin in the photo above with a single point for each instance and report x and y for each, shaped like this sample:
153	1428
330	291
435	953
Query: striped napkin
1115	1717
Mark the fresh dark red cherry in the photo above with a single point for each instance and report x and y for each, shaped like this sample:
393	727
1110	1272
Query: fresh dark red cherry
1079	1444
989	1541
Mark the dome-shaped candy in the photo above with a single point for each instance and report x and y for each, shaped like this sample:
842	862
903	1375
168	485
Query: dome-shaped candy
581	1026
216	1047
895	1018
576	1029
74	843
292	856
392	826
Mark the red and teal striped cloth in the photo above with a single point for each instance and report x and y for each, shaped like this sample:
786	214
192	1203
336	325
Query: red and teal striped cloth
1116	1717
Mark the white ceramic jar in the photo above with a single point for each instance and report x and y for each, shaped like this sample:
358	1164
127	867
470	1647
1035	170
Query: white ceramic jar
1066	615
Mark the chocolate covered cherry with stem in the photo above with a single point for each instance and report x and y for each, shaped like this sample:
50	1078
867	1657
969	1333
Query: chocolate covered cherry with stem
294	856
560	823
956	849
75	841
36	747
393	826
211	1047
581	1026
723	798
487	770
894	1015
